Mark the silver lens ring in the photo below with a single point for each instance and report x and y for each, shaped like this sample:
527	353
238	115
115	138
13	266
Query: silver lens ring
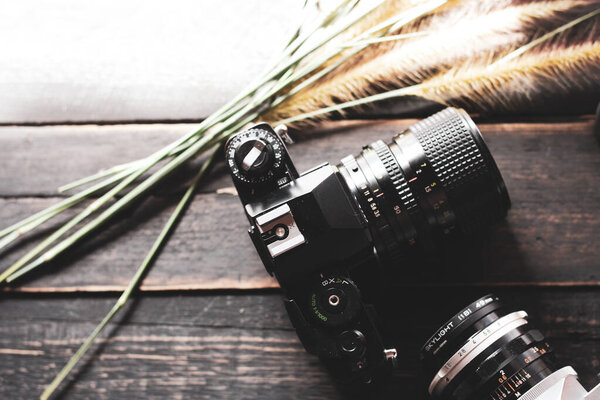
474	347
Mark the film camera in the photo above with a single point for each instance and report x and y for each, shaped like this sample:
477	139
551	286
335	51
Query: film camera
487	351
329	235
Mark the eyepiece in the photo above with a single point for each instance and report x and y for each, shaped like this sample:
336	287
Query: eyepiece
435	179
486	352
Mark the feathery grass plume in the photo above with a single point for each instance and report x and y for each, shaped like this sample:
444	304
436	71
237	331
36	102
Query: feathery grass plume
460	32
519	83
556	72
387	10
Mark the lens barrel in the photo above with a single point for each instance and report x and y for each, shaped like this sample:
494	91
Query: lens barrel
486	352
434	179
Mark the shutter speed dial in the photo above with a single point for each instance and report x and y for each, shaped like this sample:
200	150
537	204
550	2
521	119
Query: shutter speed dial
255	156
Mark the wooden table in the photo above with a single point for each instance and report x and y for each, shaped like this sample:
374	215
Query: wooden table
208	322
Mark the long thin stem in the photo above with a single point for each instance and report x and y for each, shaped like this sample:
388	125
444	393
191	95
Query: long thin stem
89	210
202	144
516	53
8	239
64	204
134	282
353	103
391	24
99	175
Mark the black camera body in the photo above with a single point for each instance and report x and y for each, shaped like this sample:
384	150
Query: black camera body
310	234
330	234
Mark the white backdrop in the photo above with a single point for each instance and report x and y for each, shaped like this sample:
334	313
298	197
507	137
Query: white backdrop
122	60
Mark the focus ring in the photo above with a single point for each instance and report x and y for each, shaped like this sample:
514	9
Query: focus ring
396	176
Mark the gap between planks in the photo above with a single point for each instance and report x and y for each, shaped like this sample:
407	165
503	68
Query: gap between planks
271	285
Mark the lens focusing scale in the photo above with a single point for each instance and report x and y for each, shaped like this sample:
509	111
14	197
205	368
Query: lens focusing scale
487	353
508	360
475	346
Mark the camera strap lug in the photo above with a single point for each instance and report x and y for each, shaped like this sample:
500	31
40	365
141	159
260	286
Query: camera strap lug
282	132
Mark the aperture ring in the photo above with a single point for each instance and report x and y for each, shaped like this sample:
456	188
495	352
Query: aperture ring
520	375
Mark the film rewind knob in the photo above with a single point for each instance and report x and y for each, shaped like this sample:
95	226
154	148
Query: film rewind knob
254	157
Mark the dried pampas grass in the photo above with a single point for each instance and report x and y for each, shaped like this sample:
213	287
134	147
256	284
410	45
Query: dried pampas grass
450	64
513	86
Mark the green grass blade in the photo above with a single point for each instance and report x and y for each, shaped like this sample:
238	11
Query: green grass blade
8	239
202	144
133	283
99	175
64	204
89	210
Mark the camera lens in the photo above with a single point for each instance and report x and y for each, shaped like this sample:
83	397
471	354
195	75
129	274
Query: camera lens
434	179
486	352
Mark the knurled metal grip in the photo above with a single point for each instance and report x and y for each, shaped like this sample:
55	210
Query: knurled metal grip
396	176
466	170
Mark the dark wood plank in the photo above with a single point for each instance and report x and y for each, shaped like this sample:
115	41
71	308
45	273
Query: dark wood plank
134	60
35	161
209	251
551	170
531	155
241	346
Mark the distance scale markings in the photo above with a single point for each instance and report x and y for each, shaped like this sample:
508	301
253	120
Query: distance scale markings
520	382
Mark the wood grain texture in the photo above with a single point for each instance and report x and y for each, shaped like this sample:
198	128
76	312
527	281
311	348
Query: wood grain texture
133	59
184	337
551	170
241	346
